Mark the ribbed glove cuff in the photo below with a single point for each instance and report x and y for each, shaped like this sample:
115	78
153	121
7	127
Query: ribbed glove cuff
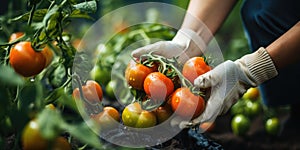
260	65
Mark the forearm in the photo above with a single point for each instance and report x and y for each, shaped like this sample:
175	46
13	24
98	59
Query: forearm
211	12
286	49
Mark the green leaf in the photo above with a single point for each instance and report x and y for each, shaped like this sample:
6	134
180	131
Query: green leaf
58	76
79	14
49	121
9	77
37	16
83	133
88	7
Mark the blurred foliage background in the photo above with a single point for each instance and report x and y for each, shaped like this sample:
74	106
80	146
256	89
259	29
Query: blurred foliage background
230	36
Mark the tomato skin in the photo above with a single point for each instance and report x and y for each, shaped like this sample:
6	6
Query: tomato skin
163	113
32	138
240	124
15	36
185	104
134	116
92	92
158	86
61	143
207	126
48	54
135	74
272	126
107	118
25	60
195	67
252	94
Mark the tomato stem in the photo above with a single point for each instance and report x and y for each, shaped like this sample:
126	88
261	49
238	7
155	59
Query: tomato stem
169	67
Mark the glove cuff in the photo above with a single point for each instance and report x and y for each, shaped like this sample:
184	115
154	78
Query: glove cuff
260	65
190	41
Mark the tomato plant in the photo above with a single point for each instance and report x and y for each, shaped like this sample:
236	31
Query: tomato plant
158	86
134	116
186	104
92	92
23	52
195	67
135	74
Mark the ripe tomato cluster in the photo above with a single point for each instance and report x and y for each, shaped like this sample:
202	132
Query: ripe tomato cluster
161	93
163	88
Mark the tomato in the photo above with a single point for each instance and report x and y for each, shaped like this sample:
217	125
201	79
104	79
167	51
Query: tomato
252	94
134	116
207	126
195	67
240	124
92	92
158	86
48	54
135	74
109	88
272	126
100	75
163	113
186	104
107	118
25	60
252	108
15	36
32	138
61	143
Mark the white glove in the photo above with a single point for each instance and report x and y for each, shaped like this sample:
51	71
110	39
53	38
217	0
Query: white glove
184	45
230	80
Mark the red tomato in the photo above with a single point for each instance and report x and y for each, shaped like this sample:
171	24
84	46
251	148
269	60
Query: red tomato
158	86
135	74
186	104
15	36
92	92
25	60
48	54
107	118
163	112
194	67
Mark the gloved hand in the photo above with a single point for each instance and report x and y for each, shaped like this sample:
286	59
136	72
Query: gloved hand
229	81
184	45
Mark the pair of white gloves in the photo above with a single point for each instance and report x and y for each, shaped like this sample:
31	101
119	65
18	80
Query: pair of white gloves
228	80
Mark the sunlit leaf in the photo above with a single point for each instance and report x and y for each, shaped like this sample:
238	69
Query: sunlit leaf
88	7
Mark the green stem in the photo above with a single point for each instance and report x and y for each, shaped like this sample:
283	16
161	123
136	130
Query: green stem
31	15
